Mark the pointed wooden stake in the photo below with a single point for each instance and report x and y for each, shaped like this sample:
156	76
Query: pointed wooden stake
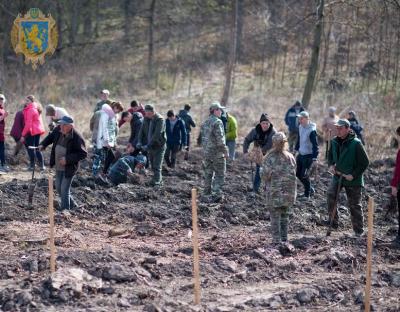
195	237
52	232
369	254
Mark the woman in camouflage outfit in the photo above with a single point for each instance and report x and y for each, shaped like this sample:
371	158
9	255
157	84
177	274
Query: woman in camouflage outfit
279	175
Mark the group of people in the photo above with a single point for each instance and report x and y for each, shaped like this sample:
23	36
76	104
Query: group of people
279	159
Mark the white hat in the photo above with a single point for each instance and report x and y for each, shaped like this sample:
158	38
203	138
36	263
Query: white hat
3	97
105	91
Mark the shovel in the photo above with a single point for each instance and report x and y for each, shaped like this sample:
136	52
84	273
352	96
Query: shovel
333	213
32	185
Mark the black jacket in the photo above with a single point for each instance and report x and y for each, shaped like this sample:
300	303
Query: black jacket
136	124
260	138
76	150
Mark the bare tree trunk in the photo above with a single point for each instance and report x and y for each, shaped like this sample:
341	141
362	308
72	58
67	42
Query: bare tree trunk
97	21
314	56
232	55
327	41
240	18
284	65
150	60
87	21
60	24
74	21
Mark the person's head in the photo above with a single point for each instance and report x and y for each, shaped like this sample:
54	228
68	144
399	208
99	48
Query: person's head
332	111
126	116
149	111
104	94
351	115
134	105
2	100
50	110
398	131
66	124
30	99
279	141
187	107
297	104
171	115
304	118
140	161
342	128
117	107
216	109
265	122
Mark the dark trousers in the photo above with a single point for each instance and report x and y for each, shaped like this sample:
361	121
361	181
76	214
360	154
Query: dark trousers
2	153
188	139
353	200
34	141
398	206
109	159
304	162
170	155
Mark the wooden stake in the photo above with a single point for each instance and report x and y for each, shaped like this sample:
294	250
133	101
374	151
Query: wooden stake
369	254
51	220
195	236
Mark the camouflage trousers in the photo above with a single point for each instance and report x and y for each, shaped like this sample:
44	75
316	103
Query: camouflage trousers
354	202
279	224
214	175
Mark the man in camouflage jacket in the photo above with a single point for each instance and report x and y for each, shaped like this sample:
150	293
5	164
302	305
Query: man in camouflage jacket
279	174
215	152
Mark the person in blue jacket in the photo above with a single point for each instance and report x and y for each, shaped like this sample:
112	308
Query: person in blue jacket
125	167
176	137
292	122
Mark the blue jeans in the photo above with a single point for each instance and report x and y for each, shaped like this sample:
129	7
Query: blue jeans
257	179
63	187
2	153
34	141
231	148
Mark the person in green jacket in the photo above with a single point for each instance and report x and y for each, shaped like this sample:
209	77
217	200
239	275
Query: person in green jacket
231	135
152	140
348	160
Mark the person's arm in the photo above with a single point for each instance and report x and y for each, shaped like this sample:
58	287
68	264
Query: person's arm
183	132
79	152
314	142
362	161
191	121
103	129
287	118
248	140
396	174
219	134
49	139
139	142
28	117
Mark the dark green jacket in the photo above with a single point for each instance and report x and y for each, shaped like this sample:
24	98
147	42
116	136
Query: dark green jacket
158	137
350	157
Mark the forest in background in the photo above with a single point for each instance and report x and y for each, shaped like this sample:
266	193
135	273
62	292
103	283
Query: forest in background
196	51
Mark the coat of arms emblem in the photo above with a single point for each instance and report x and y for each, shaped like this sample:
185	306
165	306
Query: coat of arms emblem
34	35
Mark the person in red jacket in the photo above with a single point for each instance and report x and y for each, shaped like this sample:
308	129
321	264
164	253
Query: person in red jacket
395	183
3	115
33	129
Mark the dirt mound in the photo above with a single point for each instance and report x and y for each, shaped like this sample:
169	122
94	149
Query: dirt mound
129	248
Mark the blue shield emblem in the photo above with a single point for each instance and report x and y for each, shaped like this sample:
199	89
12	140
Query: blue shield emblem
35	36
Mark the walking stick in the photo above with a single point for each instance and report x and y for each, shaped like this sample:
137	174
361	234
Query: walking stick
334	210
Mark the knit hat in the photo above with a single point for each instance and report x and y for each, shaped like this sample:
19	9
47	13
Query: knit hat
332	109
141	159
50	110
264	117
279	137
3	97
149	108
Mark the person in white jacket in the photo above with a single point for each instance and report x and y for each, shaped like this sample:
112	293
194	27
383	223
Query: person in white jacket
54	114
107	131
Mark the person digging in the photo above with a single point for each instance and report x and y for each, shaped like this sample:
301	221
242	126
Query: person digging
348	161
